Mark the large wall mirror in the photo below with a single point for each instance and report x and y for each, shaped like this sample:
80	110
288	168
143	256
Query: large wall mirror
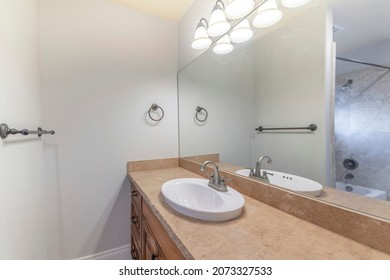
287	76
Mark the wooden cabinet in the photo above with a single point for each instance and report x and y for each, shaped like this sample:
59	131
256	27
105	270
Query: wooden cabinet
149	239
151	250
136	223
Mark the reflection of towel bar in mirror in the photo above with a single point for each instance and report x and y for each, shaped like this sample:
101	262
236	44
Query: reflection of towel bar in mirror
5	131
198	111
311	127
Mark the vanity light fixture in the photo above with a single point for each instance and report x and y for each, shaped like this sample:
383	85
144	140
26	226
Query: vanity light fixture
268	14
201	38
218	23
239	8
241	32
223	45
294	3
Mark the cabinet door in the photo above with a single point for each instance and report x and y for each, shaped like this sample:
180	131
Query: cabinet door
166	245
151	249
136	196
135	219
135	251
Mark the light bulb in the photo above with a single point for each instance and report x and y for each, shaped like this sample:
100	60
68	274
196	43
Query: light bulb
268	14
241	32
218	23
223	45
201	38
239	8
294	3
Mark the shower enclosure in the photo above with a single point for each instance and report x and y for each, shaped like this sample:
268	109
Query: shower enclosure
362	126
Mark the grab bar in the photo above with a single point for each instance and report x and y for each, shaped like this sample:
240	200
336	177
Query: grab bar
5	131
311	127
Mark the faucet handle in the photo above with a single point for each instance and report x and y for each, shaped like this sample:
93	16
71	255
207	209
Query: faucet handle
223	180
265	177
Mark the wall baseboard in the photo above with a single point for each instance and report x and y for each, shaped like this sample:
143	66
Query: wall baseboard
119	253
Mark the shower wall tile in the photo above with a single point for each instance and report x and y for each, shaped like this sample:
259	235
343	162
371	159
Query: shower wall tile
362	127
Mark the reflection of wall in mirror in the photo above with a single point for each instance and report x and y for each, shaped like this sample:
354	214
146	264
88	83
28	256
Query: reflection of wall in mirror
225	86
293	90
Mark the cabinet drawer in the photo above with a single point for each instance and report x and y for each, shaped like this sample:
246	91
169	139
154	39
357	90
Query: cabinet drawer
169	248
136	196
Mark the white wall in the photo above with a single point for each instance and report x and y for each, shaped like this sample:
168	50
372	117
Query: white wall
103	65
293	86
22	195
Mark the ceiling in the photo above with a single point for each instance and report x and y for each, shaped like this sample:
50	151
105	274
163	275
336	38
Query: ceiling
167	9
366	34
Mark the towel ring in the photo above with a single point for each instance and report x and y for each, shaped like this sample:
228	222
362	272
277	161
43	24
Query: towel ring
198	111
155	107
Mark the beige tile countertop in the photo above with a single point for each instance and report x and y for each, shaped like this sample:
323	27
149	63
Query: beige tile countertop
261	232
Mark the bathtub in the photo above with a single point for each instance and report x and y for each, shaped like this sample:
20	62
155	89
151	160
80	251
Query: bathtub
369	192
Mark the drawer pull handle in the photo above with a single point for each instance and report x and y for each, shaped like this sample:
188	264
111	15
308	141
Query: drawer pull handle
134	219
134	193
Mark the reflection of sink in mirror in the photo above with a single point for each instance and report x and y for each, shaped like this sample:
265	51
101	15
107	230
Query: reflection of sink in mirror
288	181
193	197
369	192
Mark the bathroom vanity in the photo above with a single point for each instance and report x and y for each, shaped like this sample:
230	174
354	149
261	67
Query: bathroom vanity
149	239
265	230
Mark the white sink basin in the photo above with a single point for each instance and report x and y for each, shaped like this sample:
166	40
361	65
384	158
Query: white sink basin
193	197
288	181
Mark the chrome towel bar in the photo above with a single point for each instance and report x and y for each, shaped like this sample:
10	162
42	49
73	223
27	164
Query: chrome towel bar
311	127
5	131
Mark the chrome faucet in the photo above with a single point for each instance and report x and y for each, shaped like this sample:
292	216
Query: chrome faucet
256	173
216	181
